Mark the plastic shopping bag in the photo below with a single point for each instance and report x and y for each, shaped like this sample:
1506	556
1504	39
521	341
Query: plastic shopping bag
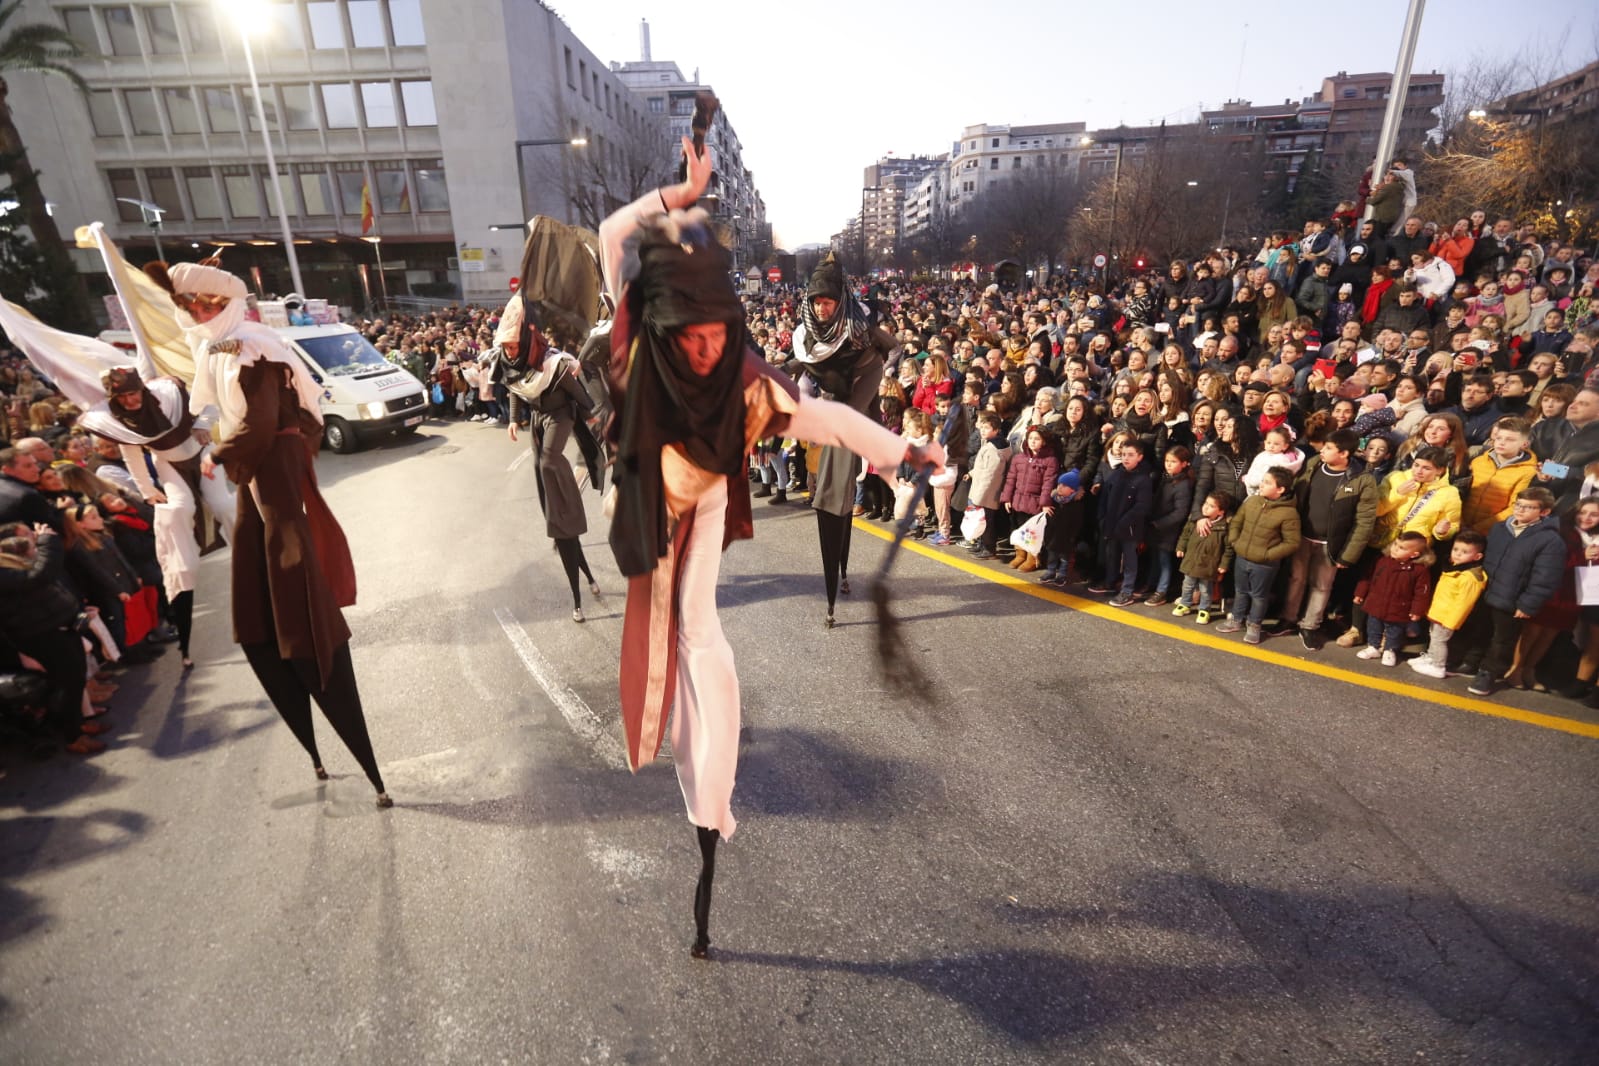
1030	537
974	523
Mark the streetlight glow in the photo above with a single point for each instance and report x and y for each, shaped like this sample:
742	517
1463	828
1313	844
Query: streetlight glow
1477	112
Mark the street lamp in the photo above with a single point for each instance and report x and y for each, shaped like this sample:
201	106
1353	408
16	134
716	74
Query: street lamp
1115	181
152	217
521	161
253	17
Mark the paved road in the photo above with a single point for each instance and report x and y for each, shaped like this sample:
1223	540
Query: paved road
1097	844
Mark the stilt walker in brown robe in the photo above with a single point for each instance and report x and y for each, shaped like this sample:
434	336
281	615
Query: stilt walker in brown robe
291	564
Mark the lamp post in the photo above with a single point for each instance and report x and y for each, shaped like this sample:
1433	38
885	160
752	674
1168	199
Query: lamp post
252	14
152	217
1115	183
521	161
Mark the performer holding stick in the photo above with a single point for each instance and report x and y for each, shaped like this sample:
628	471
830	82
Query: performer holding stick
291	564
692	397
843	353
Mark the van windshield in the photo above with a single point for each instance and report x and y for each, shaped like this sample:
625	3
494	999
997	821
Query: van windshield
343	354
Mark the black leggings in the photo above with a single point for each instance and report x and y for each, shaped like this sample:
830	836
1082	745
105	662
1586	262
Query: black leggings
572	561
181	611
293	683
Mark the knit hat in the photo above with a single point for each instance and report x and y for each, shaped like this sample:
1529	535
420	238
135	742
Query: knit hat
1071	479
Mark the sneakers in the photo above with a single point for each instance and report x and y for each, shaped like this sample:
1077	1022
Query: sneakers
1252	634
1311	639
1157	600
1097	589
1427	668
1123	599
1229	625
1351	638
85	746
983	555
1368	652
1203	618
1482	684
939	539
1390	658
1182	610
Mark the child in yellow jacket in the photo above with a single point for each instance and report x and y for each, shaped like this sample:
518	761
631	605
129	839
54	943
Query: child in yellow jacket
1453	597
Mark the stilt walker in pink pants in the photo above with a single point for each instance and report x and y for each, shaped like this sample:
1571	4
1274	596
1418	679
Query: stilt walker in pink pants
692	397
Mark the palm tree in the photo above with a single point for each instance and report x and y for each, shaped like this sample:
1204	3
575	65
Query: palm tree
40	48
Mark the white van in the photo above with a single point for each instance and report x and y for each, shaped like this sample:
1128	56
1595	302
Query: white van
363	395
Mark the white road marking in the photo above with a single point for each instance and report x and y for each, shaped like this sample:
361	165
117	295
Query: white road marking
519	460
583	721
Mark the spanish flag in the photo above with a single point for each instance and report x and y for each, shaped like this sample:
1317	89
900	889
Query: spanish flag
405	198
366	208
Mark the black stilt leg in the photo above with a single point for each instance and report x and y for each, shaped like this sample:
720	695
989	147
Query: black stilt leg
831	530
287	693
702	892
341	705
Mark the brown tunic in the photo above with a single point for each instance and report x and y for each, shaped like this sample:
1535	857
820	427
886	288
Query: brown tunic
291	564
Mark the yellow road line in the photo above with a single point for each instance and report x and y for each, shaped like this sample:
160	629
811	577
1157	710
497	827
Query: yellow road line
1193	634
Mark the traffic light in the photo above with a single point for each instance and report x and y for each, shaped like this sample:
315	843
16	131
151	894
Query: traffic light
1138	264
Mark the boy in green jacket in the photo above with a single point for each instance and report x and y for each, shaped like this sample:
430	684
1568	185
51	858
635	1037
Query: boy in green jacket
1263	533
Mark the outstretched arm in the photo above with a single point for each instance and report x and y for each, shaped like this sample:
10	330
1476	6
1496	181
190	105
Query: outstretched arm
616	229
828	422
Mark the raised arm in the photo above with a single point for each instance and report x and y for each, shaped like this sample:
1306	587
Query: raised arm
616	229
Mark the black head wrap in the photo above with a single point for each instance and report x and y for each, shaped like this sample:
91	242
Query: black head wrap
827	279
681	282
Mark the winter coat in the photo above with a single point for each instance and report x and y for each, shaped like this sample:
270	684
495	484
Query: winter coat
1386	201
1028	480
1125	497
1576	449
1397	316
1415	512
1395	591
1263	531
1218	474
1202	556
35	600
21	502
1454	250
1493	488
1354	512
1080	448
1170	511
1524	571
988	472
1455	594
1313	297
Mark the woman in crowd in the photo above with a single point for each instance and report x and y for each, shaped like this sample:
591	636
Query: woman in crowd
933	383
1550	429
1441	430
1176	426
1237	442
98	569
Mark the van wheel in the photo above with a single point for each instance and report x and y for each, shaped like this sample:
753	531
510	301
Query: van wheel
337	435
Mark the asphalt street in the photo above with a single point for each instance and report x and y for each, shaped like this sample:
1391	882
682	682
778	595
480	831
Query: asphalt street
1089	842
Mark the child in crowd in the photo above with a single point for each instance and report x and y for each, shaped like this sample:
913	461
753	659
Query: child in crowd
1029	479
988	479
1263	533
1525	561
1279	450
1201	556
1378	455
1065	524
1173	500
1125	497
1395	594
1459	586
1501	471
917	431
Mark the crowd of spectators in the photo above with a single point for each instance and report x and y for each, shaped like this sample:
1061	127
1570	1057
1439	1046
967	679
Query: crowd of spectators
1383	435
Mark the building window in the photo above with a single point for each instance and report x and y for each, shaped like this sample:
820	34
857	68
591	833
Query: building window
994	143
202	26
351	179
268	106
141	111
315	189
327	25
298	109
119	26
164	192
377	98
366	23
418	99
203	197
182	115
406	17
338	104
571	83
125	186
583	77
244	197
286	31
285	188
993	164
431	192
394	191
657	105
80	24
220	111
162	26
103	113
1016	163
595	79
608	110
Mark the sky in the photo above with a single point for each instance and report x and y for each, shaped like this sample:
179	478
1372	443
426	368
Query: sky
820	89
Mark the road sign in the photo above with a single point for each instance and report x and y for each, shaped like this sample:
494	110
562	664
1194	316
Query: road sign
1099	260
774	274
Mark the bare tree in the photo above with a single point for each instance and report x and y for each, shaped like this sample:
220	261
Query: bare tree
610	172
1024	213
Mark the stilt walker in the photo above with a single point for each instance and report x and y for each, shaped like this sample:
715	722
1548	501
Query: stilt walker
692	396
843	354
550	381
292	571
